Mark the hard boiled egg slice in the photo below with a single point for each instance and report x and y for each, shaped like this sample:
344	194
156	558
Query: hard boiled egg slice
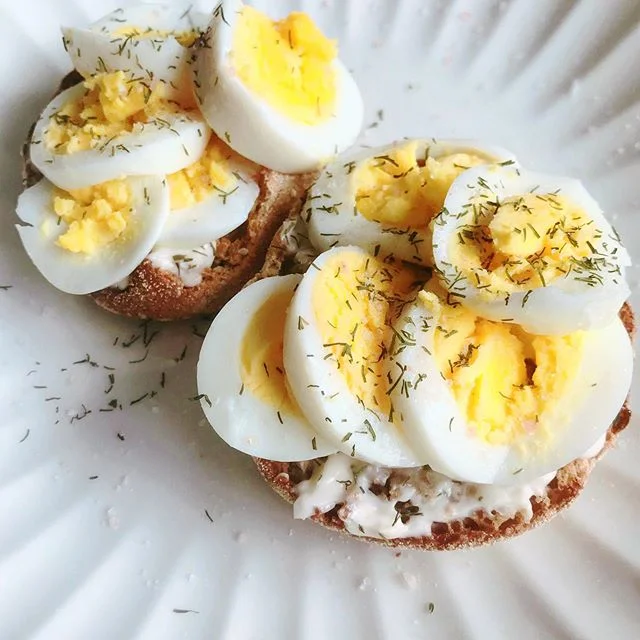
242	380
144	40
92	238
275	91
209	198
109	127
384	199
336	336
487	402
529	248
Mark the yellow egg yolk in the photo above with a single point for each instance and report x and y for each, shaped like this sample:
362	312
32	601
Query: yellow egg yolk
210	174
186	38
262	370
96	215
521	243
288	64
112	105
505	381
404	191
355	300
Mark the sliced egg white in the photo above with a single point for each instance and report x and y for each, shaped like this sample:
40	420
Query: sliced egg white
212	218
239	417
441	435
104	47
161	146
331	210
583	299
322	391
79	273
253	128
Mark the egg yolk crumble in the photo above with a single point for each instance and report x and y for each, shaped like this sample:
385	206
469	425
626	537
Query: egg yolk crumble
525	242
96	216
99	214
112	104
505	381
211	173
355	299
404	191
288	63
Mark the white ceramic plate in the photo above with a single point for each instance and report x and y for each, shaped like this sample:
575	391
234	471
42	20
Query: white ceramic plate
141	523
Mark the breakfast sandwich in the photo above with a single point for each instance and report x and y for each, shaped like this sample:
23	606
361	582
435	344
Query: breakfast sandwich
158	175
436	352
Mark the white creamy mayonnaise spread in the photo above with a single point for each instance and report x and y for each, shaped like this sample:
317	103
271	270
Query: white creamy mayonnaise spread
426	497
121	284
187	265
296	241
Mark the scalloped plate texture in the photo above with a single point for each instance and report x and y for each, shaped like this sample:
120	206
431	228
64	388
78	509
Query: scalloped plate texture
123	515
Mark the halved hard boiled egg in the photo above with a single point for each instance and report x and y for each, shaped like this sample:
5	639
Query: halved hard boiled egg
145	40
242	381
488	402
209	198
383	199
88	239
275	90
337	334
534	249
109	127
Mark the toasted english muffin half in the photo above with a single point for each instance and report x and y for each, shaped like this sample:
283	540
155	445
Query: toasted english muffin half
481	528
156	294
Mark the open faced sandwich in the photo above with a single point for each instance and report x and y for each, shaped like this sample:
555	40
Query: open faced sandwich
435	353
158	175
